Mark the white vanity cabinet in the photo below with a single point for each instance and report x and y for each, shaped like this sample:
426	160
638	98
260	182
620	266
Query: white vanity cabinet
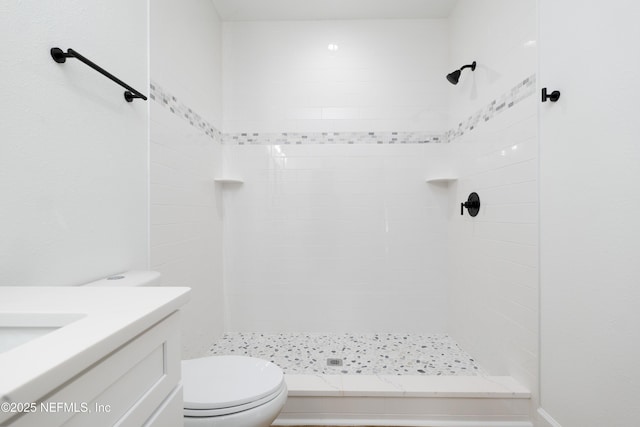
125	388
135	382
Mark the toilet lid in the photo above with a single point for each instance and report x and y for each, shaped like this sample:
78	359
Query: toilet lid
217	382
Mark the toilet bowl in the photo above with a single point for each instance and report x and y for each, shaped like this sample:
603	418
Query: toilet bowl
221	391
232	391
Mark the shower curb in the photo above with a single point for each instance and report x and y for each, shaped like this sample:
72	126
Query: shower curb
407	401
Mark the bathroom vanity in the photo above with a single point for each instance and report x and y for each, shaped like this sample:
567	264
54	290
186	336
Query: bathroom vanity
78	356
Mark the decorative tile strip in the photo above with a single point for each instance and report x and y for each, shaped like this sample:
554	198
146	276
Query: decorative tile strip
313	138
521	91
518	93
164	98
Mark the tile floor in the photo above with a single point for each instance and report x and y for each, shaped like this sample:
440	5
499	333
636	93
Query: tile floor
367	354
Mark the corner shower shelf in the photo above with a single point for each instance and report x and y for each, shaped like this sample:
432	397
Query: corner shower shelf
441	180
228	180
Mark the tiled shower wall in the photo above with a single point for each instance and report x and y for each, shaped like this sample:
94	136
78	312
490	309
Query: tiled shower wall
384	76
185	208
335	238
334	228
494	257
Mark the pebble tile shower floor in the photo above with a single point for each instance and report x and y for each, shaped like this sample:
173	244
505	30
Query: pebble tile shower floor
367	354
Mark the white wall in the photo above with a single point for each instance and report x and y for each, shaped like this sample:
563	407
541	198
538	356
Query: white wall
385	76
494	256
73	156
589	233
186	212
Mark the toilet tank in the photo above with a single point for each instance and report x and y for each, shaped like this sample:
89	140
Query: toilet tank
129	279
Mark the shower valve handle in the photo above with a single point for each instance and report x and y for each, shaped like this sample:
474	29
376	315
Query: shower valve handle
472	205
467	205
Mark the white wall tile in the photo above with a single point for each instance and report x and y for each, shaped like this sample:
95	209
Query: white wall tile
334	228
494	257
386	75
186	206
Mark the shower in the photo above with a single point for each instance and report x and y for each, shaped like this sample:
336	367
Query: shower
454	76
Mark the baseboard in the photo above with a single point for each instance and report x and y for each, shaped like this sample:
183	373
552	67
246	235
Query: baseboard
546	420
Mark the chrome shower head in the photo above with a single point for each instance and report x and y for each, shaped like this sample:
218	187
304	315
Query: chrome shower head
454	76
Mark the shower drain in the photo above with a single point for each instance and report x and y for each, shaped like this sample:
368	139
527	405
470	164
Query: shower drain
334	362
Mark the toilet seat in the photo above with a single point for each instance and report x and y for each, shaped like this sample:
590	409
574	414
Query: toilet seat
233	409
222	385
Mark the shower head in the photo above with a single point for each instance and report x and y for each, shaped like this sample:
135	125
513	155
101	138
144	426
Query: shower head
455	76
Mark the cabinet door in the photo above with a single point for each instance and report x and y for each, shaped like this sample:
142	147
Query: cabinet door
589	202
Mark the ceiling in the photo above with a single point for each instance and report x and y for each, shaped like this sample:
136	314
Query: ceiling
284	10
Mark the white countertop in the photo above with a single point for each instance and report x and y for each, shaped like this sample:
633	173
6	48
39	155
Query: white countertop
112	316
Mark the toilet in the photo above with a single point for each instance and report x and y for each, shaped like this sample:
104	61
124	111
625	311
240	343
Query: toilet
221	391
232	391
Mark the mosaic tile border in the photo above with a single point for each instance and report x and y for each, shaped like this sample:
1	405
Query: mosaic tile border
167	100
518	93
515	95
365	354
307	138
